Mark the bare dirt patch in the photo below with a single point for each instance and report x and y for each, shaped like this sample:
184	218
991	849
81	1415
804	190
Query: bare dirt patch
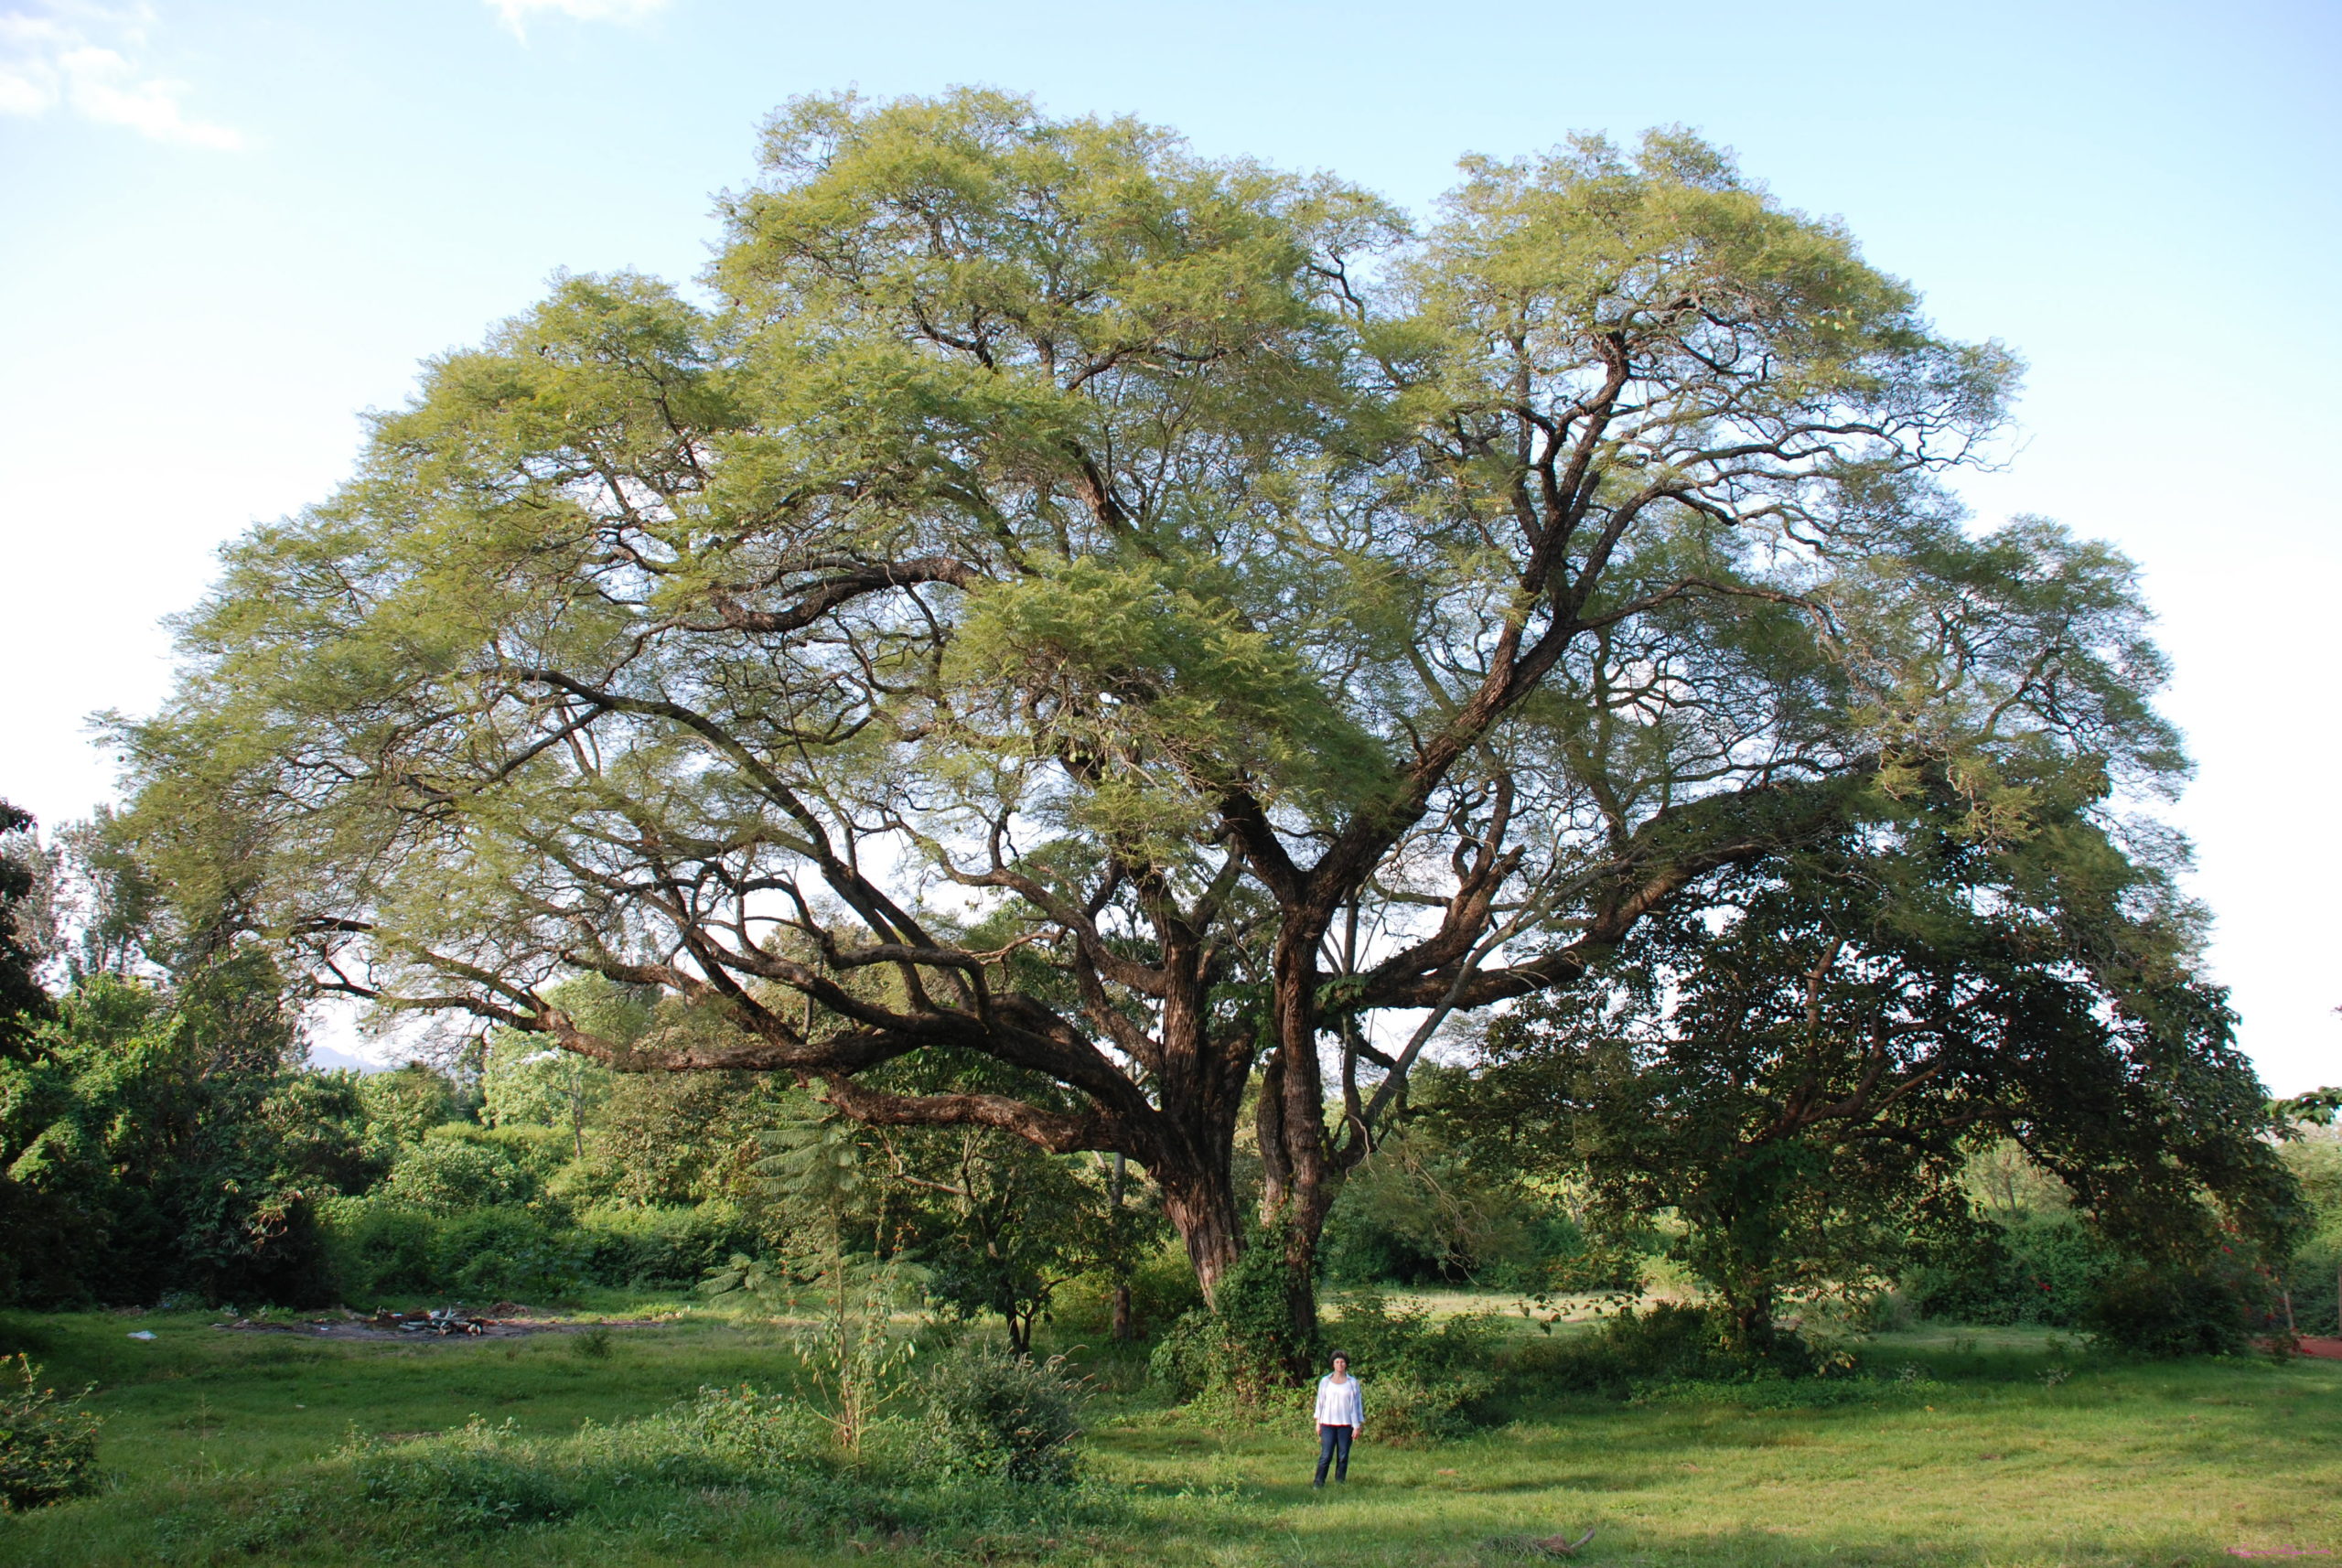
506	1320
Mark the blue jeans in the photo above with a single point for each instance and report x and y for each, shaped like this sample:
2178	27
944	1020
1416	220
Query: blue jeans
1334	1448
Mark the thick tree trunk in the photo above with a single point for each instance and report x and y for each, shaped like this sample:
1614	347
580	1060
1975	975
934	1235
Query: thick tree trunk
1200	1200
1268	1131
1297	1088
1121	1325
1199	1083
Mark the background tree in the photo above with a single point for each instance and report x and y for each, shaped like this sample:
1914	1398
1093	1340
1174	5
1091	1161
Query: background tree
163	1141
1268	627
1802	1061
25	930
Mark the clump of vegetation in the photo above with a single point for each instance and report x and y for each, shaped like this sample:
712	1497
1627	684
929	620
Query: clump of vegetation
2043	1269
1425	1381
2165	1308
49	1446
775	1462
1669	1342
480	1478
994	1413
1243	1349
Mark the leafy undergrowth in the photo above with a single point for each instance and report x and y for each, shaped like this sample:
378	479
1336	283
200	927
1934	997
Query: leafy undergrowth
731	1470
1952	1447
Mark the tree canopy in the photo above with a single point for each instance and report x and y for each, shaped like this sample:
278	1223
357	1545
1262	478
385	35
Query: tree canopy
1176	629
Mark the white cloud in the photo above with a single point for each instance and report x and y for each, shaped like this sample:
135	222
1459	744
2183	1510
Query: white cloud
71	57
516	13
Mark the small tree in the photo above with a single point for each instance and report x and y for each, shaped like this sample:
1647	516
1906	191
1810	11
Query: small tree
848	1346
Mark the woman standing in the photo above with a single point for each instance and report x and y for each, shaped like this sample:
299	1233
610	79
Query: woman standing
1341	1414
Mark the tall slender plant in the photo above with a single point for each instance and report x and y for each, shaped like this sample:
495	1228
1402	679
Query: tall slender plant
841	1304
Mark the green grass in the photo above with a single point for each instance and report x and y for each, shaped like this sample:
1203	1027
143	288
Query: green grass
2005	1449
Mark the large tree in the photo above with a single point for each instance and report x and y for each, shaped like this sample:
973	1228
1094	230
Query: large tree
1161	624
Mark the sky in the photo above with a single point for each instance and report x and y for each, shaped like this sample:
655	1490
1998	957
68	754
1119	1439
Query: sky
227	230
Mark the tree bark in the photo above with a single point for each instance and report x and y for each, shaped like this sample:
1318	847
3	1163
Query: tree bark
1750	1317
1199	1200
1114	1189
1299	1093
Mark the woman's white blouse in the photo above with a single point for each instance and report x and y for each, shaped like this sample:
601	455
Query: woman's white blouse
1338	1404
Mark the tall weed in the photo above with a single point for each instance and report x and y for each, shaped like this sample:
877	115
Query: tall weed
49	1446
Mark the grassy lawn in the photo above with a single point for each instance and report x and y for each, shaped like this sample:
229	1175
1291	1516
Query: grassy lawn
1999	1449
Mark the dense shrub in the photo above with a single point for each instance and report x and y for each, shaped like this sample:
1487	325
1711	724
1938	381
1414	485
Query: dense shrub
989	1412
1422	1382
382	1248
1243	1346
637	1246
2044	1270
162	1140
379	1249
1669	1342
448	1173
2147	1310
49	1446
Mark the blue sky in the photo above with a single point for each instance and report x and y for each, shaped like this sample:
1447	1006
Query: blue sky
226	227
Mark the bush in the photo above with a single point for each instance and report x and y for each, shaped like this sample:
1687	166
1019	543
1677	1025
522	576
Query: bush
1667	1343
636	1246
748	1429
383	1248
992	1414
2045	1270
449	1173
507	1252
2149	1311
378	1249
1421	1382
1244	1345
48	1447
